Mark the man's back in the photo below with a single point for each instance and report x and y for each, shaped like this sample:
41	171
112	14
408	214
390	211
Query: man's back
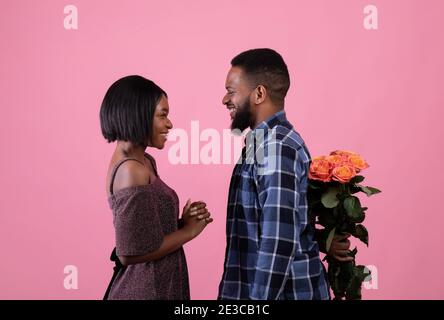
271	252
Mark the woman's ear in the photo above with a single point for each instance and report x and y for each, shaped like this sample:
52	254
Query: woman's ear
260	93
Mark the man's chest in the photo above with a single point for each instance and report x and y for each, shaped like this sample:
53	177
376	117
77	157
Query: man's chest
243	196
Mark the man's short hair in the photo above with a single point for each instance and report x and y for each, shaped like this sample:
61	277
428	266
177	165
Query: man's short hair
265	67
127	110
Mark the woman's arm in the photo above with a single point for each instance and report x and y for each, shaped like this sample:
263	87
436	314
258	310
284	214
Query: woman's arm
195	217
170	243
133	174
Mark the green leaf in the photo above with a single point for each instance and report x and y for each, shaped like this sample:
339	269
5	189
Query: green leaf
367	274
329	199
357	179
353	291
314	184
330	239
326	219
353	252
360	218
336	212
354	189
362	273
353	208
346	275
361	233
369	190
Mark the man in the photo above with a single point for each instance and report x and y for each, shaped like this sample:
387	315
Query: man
271	251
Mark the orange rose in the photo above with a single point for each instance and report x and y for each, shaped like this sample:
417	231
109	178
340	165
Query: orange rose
336	159
343	152
320	169
343	173
358	163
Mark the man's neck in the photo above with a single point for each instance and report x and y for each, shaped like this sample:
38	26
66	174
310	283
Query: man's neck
264	114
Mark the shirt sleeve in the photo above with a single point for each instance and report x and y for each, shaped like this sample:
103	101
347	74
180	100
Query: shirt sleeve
278	191
137	224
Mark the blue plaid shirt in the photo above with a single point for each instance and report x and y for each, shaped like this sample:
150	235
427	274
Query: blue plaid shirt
271	251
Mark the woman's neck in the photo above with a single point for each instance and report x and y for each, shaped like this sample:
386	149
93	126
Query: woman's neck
130	150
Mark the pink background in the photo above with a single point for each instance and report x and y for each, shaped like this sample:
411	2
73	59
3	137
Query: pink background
376	92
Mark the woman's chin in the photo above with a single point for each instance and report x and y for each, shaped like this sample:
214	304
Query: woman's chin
160	145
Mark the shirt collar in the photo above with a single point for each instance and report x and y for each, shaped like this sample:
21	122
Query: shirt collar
263	128
272	121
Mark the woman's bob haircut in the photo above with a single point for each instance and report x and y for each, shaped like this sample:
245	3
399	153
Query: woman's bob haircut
127	110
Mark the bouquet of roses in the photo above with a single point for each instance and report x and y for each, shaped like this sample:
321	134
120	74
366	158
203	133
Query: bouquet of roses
333	181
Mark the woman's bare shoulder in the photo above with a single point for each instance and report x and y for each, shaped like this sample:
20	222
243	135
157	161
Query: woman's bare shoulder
131	173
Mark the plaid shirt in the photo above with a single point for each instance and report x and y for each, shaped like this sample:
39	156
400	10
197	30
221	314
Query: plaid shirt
271	252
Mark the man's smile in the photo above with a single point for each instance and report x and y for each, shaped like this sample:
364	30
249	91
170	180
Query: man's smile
232	110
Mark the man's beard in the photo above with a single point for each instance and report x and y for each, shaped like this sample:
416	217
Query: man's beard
242	117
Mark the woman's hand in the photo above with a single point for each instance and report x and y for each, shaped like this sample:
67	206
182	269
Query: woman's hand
195	217
199	210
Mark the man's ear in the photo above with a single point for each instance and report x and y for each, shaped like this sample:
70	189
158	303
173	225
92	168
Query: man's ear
260	93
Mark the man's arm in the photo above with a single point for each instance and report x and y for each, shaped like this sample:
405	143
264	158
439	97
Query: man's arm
278	192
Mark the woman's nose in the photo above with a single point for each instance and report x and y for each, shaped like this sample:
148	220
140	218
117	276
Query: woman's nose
169	124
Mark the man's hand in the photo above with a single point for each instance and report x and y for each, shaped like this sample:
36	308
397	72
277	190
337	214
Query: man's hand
340	248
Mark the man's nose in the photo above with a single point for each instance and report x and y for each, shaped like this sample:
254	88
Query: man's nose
225	100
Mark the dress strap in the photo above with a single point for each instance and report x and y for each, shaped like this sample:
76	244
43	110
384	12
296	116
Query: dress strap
113	175
153	163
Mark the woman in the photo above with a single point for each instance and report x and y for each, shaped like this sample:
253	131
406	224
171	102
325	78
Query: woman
150	260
